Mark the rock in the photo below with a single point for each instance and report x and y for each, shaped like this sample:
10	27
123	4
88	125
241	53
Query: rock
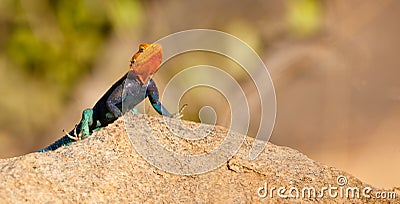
107	168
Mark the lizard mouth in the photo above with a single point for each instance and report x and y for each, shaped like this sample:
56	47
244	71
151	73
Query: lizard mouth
146	61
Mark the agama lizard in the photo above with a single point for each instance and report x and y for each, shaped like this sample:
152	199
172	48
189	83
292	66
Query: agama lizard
139	86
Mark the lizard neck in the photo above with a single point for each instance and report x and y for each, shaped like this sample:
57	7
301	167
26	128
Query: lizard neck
133	76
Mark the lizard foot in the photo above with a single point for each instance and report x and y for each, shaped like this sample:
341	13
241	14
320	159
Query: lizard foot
75	136
179	114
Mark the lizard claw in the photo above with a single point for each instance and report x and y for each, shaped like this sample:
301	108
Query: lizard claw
179	114
75	136
70	136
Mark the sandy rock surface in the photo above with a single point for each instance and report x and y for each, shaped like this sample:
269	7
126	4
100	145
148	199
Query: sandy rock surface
107	168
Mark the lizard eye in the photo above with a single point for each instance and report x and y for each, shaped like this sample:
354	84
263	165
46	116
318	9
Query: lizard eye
142	47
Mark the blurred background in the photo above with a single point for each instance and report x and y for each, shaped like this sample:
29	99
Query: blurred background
334	65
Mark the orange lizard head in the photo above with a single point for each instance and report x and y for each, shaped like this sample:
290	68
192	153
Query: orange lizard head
146	61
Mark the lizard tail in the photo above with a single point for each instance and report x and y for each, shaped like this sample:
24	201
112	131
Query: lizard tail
64	141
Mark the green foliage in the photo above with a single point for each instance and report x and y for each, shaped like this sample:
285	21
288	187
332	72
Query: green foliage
66	52
304	16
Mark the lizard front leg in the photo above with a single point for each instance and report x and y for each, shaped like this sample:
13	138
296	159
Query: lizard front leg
152	93
115	98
